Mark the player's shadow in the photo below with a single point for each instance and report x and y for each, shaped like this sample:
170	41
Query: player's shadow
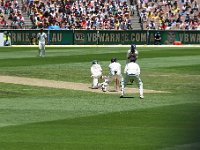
127	97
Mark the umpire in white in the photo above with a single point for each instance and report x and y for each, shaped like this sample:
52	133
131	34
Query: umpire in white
132	71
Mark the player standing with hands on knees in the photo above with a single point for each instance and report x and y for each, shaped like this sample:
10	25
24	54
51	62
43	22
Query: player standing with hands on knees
42	39
132	71
132	52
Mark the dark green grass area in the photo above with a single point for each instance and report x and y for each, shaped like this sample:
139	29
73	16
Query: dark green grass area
53	60
81	55
185	70
46	118
168	52
147	129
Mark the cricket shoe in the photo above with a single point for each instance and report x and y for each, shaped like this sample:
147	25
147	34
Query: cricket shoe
122	94
103	88
141	97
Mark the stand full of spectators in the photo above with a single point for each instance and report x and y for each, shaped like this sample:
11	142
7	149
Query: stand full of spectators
80	14
169	14
11	15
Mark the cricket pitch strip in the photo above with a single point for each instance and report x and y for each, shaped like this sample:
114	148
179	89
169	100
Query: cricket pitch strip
65	85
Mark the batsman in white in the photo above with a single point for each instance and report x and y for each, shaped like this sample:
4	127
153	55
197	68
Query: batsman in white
114	75
132	71
41	38
96	73
132	52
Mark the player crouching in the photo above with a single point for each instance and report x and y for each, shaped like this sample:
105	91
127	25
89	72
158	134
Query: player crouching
132	71
96	73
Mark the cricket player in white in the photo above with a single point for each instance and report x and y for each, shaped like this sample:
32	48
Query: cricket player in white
96	73
132	70
132	52
41	38
114	75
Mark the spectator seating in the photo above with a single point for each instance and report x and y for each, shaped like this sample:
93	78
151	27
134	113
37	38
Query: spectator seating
169	14
11	16
102	14
80	14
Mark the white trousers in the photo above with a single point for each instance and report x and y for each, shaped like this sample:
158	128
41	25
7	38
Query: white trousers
41	49
138	81
116	78
95	80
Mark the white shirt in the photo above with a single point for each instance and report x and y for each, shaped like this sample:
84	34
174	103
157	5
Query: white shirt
132	68
96	70
41	37
115	67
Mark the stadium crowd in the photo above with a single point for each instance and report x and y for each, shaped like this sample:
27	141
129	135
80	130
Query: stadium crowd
10	15
80	14
169	14
102	14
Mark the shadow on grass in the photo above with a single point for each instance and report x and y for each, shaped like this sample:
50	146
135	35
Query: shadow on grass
126	97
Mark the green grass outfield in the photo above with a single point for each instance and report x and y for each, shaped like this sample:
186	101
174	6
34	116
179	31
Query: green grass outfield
38	118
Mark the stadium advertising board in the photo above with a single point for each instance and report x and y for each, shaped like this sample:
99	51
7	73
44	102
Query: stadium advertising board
167	37
109	37
61	37
191	37
29	37
103	37
122	37
24	37
170	36
86	37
